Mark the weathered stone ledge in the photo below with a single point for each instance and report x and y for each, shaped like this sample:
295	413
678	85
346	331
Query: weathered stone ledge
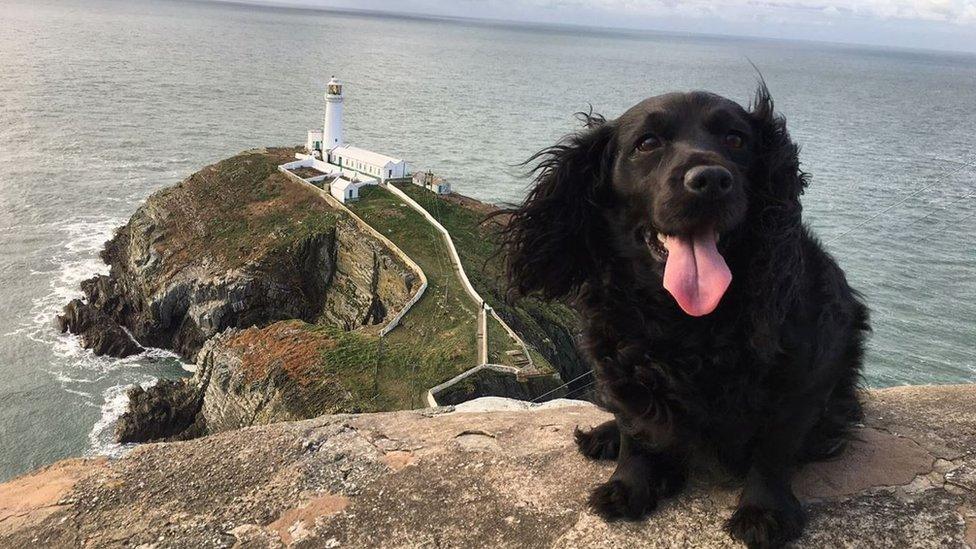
484	476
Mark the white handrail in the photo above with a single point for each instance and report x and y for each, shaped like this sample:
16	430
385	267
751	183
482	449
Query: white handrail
456	259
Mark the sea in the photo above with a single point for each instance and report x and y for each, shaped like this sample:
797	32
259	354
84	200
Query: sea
103	102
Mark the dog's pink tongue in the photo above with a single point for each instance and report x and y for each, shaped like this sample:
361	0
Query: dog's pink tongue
695	273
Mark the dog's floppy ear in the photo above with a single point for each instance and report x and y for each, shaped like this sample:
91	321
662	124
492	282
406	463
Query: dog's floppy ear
776	183
552	241
776	176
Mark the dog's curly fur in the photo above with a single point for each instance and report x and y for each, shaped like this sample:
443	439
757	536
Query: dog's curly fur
765	382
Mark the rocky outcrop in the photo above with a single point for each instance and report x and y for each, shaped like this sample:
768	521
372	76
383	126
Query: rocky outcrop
166	411
96	330
485	475
279	373
255	376
235	245
368	283
194	306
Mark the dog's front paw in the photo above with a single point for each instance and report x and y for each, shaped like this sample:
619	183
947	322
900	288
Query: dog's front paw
616	500
601	442
761	528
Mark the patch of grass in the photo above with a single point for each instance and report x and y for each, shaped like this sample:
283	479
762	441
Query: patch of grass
437	339
236	212
318	370
548	328
498	343
323	369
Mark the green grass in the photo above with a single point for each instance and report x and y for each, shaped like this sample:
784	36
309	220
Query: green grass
238	211
436	340
547	328
498	343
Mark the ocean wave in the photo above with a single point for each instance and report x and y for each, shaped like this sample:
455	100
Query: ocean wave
81	374
101	438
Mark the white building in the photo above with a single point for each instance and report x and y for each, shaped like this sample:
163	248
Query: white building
332	129
347	190
329	145
313	143
368	163
432	182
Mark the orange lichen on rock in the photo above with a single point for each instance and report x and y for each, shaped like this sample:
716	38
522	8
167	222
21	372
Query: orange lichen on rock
288	347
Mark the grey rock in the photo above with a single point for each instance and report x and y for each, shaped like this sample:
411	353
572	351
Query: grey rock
508	478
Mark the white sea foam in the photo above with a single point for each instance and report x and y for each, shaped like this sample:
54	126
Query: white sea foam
101	438
74	261
78	371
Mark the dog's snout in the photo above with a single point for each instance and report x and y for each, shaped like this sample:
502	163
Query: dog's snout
708	181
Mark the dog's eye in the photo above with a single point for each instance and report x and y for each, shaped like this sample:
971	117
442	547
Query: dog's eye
648	143
734	140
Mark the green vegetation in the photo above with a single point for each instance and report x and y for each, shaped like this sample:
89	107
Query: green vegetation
317	369
499	342
242	209
436	340
547	328
238	211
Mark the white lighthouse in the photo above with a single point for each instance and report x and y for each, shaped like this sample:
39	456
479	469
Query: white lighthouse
328	153
332	129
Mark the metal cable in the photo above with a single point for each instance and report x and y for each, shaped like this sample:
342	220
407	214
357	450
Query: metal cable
543	395
900	202
587	386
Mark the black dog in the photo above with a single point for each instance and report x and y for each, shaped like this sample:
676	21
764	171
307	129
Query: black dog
713	319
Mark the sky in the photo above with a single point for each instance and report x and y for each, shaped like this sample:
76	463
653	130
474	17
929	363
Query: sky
921	24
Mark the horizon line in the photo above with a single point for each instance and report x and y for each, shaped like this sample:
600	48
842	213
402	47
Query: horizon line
603	29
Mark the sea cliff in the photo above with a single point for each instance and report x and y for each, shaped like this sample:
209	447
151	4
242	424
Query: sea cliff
234	245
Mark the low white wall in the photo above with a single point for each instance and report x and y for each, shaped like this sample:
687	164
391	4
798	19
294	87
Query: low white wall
395	321
483	331
300	163
510	370
459	268
455	258
309	161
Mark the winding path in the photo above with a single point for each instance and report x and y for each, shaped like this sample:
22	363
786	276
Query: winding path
484	308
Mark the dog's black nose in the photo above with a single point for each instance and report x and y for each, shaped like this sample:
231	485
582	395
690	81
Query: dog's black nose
708	181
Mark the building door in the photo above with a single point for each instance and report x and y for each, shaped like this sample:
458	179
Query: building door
389	173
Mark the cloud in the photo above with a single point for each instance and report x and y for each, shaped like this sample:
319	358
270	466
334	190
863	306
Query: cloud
960	12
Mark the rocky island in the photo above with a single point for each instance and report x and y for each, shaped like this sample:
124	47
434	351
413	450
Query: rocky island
279	298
